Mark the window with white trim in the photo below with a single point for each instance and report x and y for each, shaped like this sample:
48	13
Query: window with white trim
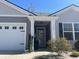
76	30
14	27
70	30
21	27
6	27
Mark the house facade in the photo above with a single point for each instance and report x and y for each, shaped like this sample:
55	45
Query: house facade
63	23
16	24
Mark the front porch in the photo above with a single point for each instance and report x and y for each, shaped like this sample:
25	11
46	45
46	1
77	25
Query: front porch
42	29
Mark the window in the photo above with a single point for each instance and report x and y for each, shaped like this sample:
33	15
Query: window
67	27
6	27
76	35
68	35
0	27
21	27
69	30
76	30
76	27
14	27
66	30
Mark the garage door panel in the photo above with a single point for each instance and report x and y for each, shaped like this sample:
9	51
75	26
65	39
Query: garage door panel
12	39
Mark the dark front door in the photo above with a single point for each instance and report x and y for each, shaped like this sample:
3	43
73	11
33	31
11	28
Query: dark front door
41	36
41	31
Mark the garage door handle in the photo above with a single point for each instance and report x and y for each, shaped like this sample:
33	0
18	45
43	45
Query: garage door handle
21	43
22	31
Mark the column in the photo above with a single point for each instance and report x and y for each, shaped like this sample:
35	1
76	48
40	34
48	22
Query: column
32	33
53	31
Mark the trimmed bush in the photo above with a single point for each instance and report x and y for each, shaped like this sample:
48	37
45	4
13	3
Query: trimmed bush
75	54
59	45
77	45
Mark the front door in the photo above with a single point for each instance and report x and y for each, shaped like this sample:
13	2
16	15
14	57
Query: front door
42	34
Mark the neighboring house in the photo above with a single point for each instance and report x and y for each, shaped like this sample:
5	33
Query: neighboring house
16	24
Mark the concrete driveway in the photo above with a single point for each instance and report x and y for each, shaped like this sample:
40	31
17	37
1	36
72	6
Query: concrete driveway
29	55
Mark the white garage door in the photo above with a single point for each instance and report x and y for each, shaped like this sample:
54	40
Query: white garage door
12	36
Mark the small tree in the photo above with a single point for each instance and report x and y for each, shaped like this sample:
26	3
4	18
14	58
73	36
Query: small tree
30	43
59	45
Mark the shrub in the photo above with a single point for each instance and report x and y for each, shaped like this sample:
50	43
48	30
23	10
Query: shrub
51	45
59	45
75	54
30	44
77	45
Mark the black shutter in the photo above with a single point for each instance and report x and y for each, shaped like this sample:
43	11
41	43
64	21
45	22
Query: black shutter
60	30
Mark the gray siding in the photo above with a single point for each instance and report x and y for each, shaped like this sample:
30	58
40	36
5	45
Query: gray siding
68	16
6	10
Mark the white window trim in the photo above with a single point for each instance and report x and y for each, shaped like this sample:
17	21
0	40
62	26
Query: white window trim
73	30
63	27
68	31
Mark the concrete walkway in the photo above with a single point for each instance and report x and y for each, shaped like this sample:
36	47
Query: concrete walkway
30	55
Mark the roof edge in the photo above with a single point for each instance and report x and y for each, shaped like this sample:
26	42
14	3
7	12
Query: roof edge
21	7
63	9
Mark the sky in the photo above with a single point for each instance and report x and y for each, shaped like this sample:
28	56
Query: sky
48	6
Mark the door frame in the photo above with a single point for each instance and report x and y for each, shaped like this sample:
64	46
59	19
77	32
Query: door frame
25	37
41	27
